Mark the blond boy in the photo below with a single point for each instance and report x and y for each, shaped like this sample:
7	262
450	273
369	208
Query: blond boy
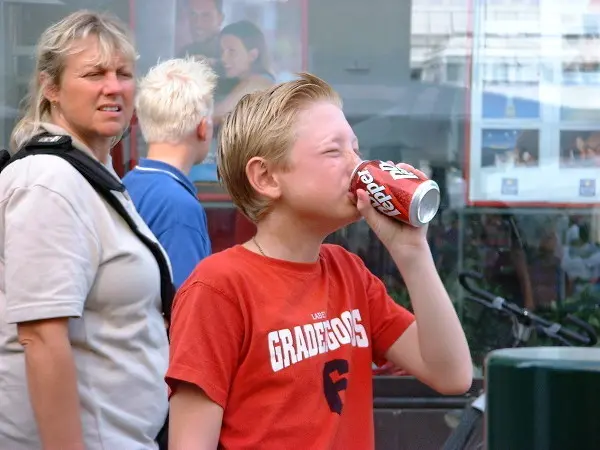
273	340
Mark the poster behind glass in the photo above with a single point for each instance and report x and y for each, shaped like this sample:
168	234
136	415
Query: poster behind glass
535	132
251	45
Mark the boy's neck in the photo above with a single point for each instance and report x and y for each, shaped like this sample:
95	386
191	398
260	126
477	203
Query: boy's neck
282	238
179	156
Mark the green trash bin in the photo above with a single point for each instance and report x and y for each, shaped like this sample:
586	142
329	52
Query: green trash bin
543	398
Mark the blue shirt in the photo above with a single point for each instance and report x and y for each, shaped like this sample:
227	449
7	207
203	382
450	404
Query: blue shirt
167	201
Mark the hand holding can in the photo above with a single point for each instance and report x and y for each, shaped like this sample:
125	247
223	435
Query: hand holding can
396	192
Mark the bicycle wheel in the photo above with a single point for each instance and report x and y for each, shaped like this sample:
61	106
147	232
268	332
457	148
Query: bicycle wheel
468	435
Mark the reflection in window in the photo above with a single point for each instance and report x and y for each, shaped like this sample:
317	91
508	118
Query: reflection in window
422	102
455	72
440	23
460	22
420	23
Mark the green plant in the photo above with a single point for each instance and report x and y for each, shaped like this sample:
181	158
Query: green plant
584	305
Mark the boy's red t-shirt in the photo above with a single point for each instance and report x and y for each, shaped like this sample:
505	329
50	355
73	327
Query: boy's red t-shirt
285	348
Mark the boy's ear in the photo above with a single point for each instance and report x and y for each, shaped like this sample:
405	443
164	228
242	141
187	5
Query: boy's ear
203	129
261	178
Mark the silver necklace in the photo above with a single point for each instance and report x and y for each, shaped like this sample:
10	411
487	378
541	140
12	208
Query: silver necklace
258	246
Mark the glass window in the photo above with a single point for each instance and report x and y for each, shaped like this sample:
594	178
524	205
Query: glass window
455	73
504	117
273	30
460	22
440	23
420	23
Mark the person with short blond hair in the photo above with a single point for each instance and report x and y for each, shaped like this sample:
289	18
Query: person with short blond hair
173	98
272	341
83	347
263	126
174	105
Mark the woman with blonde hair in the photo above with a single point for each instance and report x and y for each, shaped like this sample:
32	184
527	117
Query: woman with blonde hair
83	347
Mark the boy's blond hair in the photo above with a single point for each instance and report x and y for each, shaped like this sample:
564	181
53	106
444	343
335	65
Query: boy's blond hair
173	98
262	124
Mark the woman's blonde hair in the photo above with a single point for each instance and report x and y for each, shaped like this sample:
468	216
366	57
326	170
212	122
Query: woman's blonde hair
56	43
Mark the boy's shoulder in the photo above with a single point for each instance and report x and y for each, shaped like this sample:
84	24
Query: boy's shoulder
157	184
49	172
220	269
336	251
160	195
338	256
231	269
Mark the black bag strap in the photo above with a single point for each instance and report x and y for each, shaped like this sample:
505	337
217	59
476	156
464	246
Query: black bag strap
103	183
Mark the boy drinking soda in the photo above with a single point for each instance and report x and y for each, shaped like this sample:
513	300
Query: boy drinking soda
272	341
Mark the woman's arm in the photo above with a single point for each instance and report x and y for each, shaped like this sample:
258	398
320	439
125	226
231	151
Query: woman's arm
51	256
52	383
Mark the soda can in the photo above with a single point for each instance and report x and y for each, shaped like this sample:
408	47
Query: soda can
397	193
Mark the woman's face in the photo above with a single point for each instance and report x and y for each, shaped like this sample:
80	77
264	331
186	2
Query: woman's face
93	101
236	59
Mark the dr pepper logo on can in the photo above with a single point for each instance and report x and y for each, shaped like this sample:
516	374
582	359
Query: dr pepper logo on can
396	192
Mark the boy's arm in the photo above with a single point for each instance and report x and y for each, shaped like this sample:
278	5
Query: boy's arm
207	329
434	348
194	419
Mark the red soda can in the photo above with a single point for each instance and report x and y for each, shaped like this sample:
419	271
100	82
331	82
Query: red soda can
396	192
